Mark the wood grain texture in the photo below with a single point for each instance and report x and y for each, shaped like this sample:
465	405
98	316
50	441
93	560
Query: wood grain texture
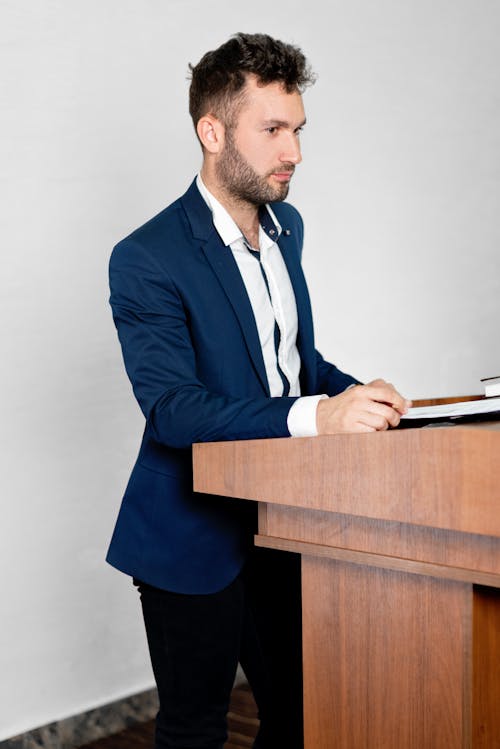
401	649
486	669
397	673
433	545
262	515
440	478
384	561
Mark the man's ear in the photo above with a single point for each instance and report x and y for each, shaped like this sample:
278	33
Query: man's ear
211	133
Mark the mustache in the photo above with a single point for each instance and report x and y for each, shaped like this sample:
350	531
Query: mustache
283	169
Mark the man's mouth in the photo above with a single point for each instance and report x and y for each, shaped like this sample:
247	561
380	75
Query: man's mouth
282	176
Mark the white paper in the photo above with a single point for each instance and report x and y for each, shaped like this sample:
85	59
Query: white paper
463	408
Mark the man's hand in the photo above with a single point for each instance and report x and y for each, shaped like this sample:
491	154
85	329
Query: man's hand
362	408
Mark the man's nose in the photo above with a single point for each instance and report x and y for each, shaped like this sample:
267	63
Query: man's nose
291	152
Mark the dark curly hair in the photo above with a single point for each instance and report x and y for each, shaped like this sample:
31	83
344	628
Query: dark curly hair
218	80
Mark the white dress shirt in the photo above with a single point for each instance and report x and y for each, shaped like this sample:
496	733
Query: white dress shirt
270	307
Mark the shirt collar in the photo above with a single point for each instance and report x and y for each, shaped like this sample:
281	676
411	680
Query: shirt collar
225	225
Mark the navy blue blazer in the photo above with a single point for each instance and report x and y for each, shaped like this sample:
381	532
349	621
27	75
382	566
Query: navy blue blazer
192	353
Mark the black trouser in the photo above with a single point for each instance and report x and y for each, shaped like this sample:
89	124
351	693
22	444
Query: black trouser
196	641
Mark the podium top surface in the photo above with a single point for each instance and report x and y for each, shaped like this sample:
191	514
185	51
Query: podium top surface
442	477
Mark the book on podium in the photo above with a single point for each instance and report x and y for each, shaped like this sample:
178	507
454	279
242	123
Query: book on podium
491	386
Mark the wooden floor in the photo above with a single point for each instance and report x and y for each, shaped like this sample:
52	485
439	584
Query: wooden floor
242	727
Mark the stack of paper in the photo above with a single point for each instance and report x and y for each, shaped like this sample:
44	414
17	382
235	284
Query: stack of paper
453	411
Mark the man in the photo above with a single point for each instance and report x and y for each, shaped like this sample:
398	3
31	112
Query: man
214	320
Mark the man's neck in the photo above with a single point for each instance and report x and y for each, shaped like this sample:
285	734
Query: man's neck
244	214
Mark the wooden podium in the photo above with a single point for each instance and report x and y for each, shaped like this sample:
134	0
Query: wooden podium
399	534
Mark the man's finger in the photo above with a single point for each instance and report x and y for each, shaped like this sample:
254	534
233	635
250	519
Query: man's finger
389	395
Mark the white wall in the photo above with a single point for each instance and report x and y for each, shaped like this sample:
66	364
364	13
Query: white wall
400	191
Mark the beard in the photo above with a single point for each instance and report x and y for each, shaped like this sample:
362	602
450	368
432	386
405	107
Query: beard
242	182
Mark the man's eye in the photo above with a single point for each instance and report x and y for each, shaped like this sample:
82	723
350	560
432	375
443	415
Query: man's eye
271	130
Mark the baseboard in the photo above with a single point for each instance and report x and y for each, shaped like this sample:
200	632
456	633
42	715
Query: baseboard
73	732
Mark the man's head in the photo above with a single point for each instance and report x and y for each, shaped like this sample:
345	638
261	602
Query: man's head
246	104
218	80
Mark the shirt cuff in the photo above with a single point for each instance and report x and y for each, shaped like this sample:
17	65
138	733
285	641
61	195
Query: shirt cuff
301	421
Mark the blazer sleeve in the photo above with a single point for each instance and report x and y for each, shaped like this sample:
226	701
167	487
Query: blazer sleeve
153	329
330	379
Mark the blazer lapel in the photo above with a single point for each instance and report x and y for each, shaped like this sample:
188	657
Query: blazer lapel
226	270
